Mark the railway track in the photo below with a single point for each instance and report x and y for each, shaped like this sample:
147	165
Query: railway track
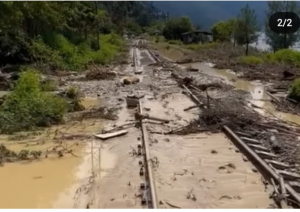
148	190
286	183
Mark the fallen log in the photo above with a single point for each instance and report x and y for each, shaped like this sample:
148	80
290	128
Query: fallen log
274	97
191	107
139	116
111	135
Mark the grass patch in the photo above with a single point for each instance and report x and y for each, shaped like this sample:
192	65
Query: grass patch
59	53
199	47
250	60
175	42
286	56
294	92
27	107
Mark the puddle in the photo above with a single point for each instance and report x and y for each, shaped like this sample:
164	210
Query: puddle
50	182
256	89
90	102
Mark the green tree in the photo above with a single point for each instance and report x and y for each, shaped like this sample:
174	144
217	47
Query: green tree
280	41
246	27
223	30
176	26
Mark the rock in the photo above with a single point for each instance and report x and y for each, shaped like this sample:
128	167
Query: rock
138	71
190	68
130	80
147	108
288	74
184	60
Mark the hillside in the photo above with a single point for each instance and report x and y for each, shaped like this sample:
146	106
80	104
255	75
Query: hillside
206	13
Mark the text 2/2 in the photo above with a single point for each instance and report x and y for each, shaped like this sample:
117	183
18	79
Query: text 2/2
284	22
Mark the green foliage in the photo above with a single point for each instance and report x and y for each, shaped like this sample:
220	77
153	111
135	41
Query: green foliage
280	41
176	26
134	29
287	56
199	47
65	35
223	30
246	27
251	60
175	42
294	92
28	107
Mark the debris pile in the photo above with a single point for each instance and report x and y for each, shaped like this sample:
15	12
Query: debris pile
100	74
101	112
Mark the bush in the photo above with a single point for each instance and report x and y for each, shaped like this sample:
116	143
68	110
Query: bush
49	85
294	92
287	56
28	107
251	60
175	42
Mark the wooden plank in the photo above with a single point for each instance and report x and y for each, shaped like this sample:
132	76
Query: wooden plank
283	202
277	164
250	140
266	154
111	135
288	175
258	147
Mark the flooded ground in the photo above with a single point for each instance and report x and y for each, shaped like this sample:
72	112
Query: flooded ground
256	89
49	182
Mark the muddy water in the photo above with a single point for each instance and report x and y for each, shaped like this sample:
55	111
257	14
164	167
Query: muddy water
256	89
49	182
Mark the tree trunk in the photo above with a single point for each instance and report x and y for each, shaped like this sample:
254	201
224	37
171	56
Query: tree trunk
97	27
247	48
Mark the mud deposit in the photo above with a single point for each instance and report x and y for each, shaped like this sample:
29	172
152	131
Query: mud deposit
199	170
49	182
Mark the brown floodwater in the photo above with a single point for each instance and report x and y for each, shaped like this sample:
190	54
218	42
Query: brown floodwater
50	182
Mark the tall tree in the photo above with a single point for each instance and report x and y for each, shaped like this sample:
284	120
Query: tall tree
223	30
176	26
246	27
284	40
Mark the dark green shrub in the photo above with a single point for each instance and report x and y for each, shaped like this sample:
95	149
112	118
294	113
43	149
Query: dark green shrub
294	92
27	107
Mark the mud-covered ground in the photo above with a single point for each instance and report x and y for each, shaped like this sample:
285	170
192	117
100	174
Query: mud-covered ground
195	164
226	56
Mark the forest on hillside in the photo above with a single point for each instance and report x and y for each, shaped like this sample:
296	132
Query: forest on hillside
68	35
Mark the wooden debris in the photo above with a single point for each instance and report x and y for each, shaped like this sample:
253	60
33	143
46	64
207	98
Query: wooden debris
266	154
288	175
111	135
278	165
250	140
172	205
258	147
140	116
283	203
191	107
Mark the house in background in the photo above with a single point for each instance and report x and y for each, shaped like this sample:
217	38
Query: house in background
196	37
